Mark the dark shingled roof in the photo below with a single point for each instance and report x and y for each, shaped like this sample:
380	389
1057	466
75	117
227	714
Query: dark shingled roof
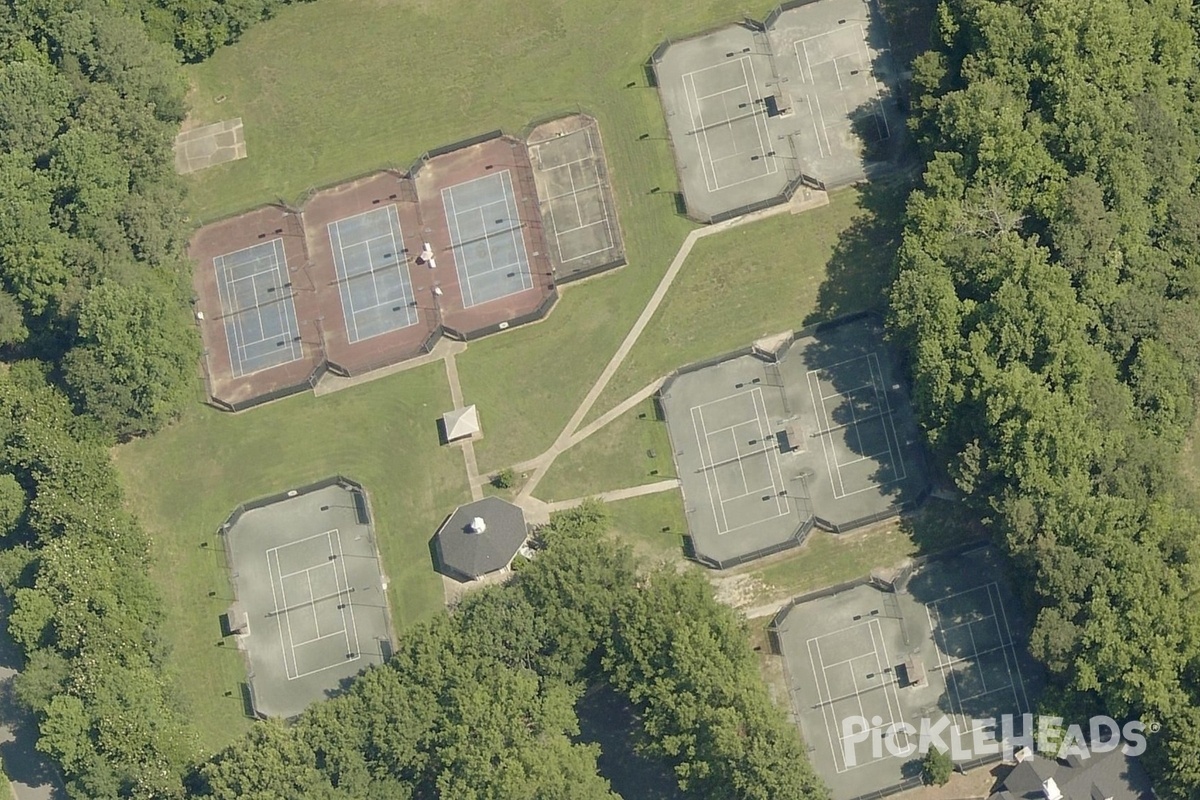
1098	777
467	555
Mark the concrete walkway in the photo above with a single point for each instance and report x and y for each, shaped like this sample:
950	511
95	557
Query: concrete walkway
617	494
468	446
541	465
445	348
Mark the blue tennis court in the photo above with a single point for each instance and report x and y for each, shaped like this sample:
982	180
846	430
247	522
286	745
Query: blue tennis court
257	308
373	280
486	235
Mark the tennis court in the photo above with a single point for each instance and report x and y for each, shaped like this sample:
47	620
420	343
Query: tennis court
975	653
739	460
372	273
306	572
854	676
576	203
486	237
856	426
835	59
940	644
728	122
257	310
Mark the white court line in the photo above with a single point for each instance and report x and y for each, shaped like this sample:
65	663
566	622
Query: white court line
233	313
814	98
895	692
608	222
723	524
760	127
574	195
351	313
349	604
705	464
1011	646
898	468
773	468
947	670
451	215
738	460
316	622
706	160
294	673
826	702
839	488
520	265
335	237
284	647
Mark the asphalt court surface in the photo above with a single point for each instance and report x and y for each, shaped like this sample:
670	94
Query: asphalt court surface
573	196
731	151
728	121
372	272
750	111
486	237
834	58
822	431
312	603
739	460
306	572
857	428
846	660
257	310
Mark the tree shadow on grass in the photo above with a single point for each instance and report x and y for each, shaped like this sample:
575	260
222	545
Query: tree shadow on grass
862	268
941	524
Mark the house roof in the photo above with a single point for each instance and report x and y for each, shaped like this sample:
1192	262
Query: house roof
1098	777
468	554
461	422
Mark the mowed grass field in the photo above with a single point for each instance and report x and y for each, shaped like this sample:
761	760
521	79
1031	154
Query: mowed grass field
614	457
184	482
336	88
765	278
331	89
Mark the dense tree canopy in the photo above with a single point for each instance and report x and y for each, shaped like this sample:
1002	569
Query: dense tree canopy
1048	298
482	704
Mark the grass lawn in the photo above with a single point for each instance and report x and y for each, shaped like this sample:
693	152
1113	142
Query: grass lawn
643	523
183	482
331	89
827	559
775	275
614	457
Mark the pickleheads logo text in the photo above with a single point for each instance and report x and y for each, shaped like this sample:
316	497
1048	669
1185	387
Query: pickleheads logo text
1004	735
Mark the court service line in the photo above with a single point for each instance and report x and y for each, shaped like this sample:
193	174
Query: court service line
1011	644
773	468
700	445
455	239
706	159
608	222
336	233
826	703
